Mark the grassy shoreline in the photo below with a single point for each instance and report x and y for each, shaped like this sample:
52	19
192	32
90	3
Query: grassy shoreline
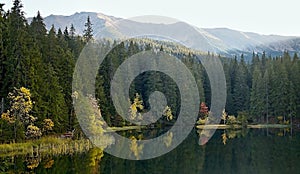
57	146
256	126
124	128
45	145
53	145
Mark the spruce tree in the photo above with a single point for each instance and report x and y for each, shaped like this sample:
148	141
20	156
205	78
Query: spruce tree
295	79
2	49
38	29
66	35
72	31
241	89
257	95
88	32
16	72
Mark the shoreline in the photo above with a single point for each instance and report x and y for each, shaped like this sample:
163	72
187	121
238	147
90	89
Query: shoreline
251	126
57	145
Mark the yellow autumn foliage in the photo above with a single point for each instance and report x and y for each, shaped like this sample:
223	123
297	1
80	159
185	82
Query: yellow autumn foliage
135	148
49	164
168	113
136	104
48	125
224	138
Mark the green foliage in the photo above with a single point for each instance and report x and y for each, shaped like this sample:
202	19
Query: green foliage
240	90
264	87
88	32
44	62
242	118
40	60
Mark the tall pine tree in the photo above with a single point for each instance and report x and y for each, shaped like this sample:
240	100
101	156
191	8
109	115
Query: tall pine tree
88	32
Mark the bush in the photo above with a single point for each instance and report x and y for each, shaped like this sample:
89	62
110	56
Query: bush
231	120
280	119
201	121
242	118
33	132
47	125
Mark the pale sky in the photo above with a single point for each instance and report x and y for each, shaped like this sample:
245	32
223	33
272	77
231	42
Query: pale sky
260	16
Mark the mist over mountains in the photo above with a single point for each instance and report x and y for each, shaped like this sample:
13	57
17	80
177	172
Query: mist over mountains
217	40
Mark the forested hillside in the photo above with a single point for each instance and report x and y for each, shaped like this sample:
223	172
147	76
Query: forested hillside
40	60
43	62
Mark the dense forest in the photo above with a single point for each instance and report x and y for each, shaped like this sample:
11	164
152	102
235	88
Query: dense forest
39	60
36	68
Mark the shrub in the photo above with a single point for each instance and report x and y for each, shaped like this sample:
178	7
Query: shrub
242	118
201	121
280	119
47	125
231	120
287	122
33	132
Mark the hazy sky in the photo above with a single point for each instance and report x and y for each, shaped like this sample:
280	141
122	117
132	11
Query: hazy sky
261	16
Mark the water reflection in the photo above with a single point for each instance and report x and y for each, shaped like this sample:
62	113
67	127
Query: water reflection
136	147
245	151
32	161
168	139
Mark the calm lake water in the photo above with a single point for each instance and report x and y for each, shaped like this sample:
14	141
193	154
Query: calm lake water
248	151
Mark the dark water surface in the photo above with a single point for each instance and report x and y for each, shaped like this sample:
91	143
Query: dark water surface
248	151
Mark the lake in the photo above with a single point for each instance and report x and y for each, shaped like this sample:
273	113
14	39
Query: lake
241	151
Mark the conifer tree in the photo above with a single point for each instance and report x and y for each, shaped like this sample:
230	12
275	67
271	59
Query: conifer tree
72	31
241	89
16	72
66	35
257	95
2	49
38	29
88	32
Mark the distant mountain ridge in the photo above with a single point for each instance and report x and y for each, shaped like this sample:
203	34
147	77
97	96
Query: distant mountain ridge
218	40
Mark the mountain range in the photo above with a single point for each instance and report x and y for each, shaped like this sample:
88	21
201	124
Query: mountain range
217	40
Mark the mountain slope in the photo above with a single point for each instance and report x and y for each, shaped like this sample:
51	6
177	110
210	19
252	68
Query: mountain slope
99	21
219	40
